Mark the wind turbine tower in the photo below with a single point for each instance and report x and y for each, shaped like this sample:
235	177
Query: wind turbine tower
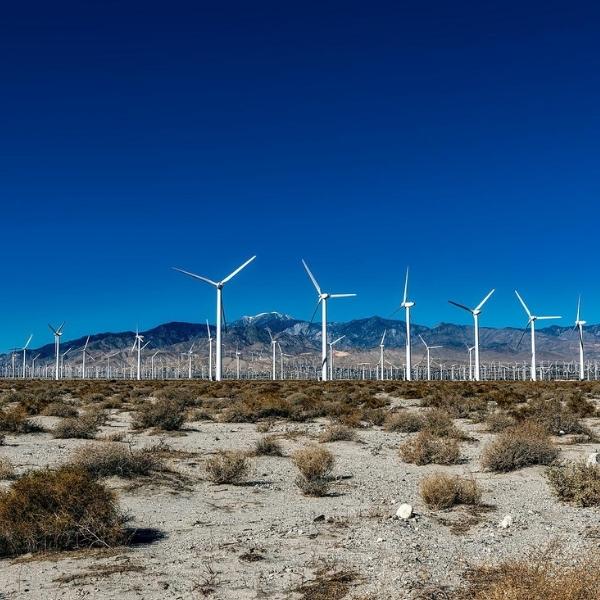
57	333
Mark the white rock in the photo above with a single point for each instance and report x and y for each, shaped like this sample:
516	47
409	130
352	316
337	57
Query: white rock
506	522
593	459
404	511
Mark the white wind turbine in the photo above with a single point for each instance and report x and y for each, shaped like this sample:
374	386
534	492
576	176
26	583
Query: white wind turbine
470	351
407	304
579	326
322	299
137	344
381	347
273	352
237	362
189	355
331	345
475	312
24	348
33	364
57	333
210	352
62	361
531	322
85	354
152	362
219	287
428	348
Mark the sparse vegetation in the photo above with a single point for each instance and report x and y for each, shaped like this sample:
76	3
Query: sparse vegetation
227	467
58	510
315	465
268	445
404	421
167	414
519	446
440	491
577	482
426	448
7	471
84	427
16	420
337	433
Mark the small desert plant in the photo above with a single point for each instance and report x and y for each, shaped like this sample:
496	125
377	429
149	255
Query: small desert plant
268	446
439	423
84	427
520	446
576	482
315	465
109	458
426	448
58	510
498	421
440	490
337	433
165	413
227	467
7	471
59	409
15	420
404	421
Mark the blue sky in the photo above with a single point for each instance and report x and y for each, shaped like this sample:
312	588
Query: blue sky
460	138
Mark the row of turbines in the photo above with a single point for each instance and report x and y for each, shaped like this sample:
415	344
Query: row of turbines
327	352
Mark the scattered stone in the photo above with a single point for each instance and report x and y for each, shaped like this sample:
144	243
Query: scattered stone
506	522
319	518
404	511
593	459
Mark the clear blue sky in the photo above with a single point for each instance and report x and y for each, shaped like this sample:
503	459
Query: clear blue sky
460	138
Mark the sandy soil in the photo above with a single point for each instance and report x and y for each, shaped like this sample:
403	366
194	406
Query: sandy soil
264	538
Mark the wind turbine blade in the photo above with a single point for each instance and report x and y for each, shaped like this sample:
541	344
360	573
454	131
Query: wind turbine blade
28	341
205	279
53	330
208	329
312	277
134	345
433	347
146	344
86	343
223	315
342	295
59	330
523	303
232	275
395	312
480	305
89	355
522	335
338	340
578	304
314	313
461	306
270	334
424	342
549	317
405	288
383	337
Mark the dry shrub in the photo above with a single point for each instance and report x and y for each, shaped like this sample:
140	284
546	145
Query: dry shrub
404	421
555	417
84	427
498	421
268	446
426	448
576	482
459	406
439	423
329	583
439	491
59	409
15	420
519	446
315	465
58	510
7	471
535	578
167	414
227	467
337	433
109	459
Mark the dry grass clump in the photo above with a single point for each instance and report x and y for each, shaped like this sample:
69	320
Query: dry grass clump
457	405
519	446
268	445
84	427
426	448
440	491
337	433
227	467
64	509
109	459
15	420
329	583
404	421
167	414
60	409
576	482
536	578
315	465
438	422
498	421
7	471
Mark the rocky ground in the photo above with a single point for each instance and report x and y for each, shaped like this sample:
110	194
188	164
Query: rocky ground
265	539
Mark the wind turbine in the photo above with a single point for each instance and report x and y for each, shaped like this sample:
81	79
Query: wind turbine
210	352
475	312
429	348
531	322
108	357
274	343
237	362
381	347
24	353
84	354
33	364
322	299
579	326
137	344
62	361
470	351
57	333
189	354
407	304
331	345
220	313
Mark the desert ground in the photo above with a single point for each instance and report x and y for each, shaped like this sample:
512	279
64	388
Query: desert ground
291	490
